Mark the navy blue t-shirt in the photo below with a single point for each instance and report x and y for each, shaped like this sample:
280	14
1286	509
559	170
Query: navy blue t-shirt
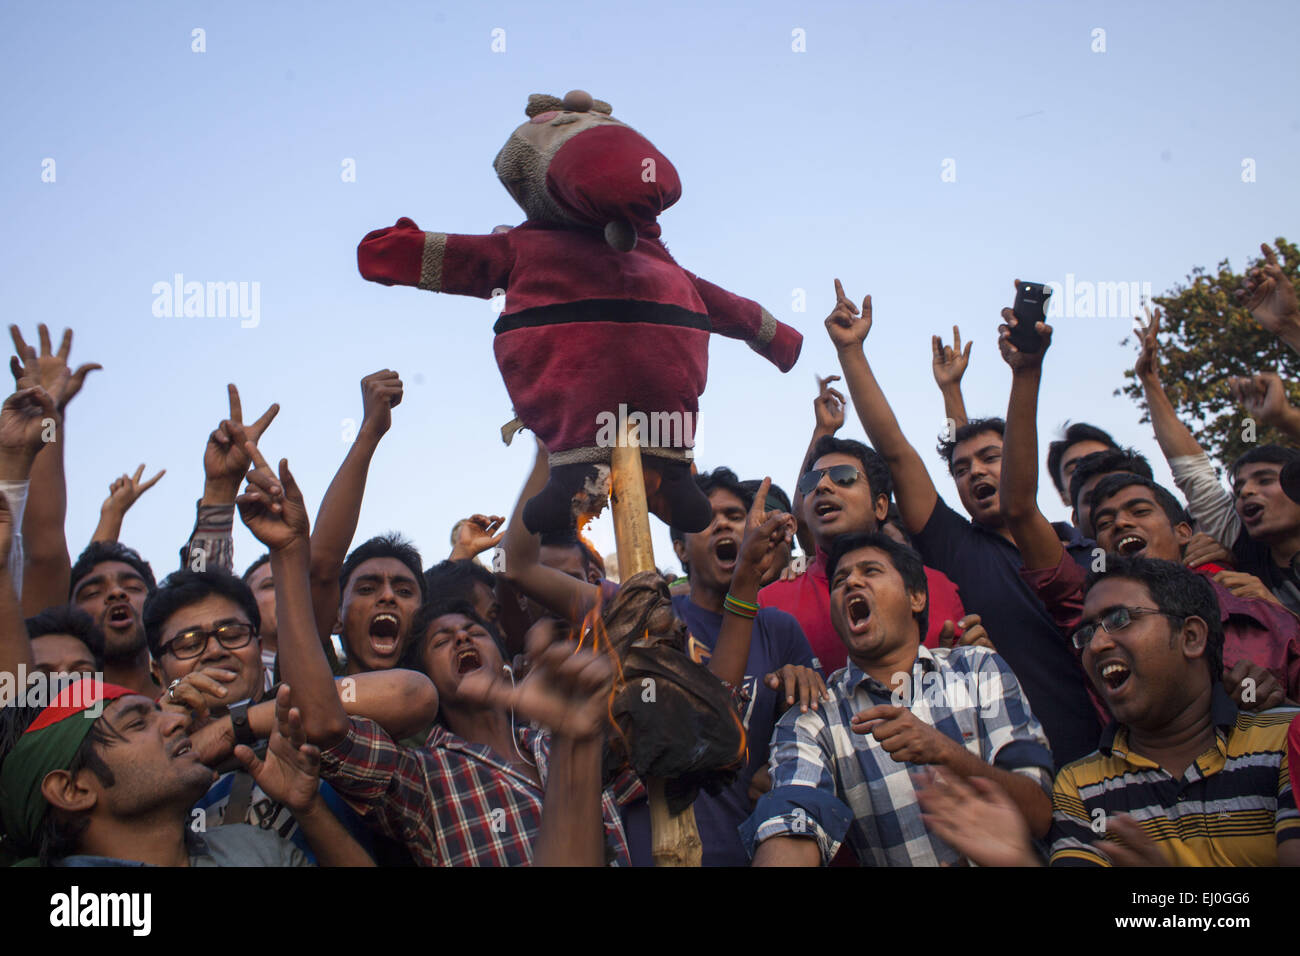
986	569
778	640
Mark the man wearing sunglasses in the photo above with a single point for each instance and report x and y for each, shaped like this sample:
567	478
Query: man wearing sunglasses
845	489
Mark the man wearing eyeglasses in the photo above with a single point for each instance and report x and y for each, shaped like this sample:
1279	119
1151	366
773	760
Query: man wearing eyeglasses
202	631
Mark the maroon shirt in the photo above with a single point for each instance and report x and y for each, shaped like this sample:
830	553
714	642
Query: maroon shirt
1264	633
808	599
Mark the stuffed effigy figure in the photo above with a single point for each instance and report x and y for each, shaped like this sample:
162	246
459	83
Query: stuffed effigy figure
599	322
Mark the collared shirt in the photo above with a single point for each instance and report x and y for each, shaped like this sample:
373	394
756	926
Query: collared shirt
808	599
1256	630
835	785
1232	806
452	802
985	566
237	844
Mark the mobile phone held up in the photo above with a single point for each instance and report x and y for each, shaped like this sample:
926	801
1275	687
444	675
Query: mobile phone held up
1030	307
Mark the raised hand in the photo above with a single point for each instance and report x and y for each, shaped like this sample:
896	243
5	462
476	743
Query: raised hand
25	419
49	369
567	689
273	509
949	360
828	406
764	533
1148	363
290	772
381	392
1263	396
975	817
847	327
1018	360
197	693
225	460
1270	295
476	534
124	491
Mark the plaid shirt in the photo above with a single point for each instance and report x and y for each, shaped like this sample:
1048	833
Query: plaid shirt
454	803
839	786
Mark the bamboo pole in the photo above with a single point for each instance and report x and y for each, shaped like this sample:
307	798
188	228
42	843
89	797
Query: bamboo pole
675	839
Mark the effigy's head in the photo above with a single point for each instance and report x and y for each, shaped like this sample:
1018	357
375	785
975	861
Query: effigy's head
573	163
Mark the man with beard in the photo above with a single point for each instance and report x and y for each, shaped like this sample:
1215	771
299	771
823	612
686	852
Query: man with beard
110	582
842	774
979	555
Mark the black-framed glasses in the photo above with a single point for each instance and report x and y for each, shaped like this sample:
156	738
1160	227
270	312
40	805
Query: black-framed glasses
840	474
194	642
1114	620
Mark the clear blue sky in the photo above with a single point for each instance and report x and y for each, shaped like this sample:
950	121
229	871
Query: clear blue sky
797	167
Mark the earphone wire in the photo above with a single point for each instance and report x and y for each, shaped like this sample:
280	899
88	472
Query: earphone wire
514	736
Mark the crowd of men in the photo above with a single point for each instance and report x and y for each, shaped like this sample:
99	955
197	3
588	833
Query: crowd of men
919	684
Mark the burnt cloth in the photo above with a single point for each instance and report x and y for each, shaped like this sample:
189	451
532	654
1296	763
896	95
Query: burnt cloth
684	727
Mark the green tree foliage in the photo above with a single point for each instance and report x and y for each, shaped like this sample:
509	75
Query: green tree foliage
1206	337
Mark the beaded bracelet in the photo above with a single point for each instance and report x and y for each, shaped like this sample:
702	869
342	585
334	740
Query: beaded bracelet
738	607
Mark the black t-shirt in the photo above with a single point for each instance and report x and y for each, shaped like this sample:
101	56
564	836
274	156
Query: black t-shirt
986	569
1255	557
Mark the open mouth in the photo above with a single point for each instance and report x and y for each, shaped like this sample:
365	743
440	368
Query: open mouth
120	616
1114	675
826	510
859	612
726	551
467	659
383	632
984	490
184	749
1130	545
1251	511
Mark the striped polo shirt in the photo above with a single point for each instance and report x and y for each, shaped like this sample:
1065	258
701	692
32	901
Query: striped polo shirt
1232	807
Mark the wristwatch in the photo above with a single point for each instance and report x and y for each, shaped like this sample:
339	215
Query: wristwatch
239	718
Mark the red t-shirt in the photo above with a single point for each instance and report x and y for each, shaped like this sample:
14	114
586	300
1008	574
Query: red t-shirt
808	599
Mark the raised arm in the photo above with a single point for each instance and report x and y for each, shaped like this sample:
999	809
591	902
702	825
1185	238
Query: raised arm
1034	535
274	512
553	589
47	565
1263	396
15	648
764	532
1174	438
1270	295
567	691
913	489
828	416
340	509
122	494
949	366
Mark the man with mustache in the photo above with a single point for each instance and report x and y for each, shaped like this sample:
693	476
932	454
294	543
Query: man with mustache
1181	777
842	774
